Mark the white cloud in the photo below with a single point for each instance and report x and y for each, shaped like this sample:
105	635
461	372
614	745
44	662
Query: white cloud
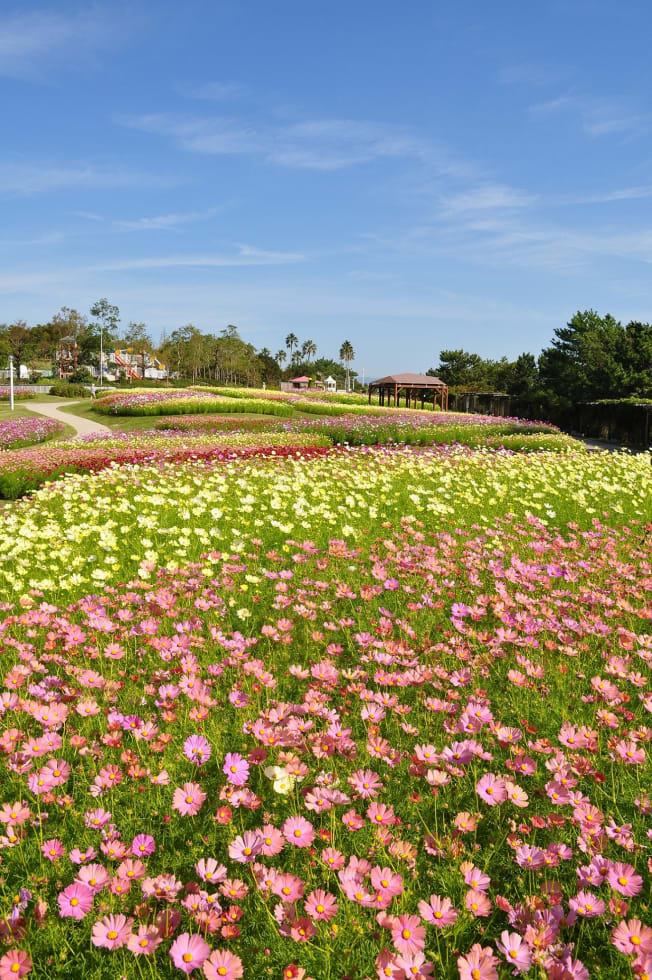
18	178
33	41
246	255
165	222
323	144
487	197
597	116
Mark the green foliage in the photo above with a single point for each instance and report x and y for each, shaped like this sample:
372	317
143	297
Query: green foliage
64	389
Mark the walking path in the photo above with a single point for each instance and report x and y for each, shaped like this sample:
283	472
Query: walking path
84	427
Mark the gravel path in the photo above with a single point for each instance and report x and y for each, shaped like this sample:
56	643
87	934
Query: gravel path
84	427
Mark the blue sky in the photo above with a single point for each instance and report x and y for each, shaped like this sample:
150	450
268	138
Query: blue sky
408	177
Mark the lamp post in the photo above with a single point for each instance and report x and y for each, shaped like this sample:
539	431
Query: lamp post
11	382
101	351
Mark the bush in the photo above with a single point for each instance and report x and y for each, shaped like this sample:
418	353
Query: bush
64	389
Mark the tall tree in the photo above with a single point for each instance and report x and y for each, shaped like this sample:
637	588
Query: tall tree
281	356
347	354
308	350
17	341
291	341
103	330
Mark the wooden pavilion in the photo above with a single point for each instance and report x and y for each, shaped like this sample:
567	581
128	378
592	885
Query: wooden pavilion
413	386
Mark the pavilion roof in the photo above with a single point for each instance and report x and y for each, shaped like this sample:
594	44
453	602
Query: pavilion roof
303	377
417	380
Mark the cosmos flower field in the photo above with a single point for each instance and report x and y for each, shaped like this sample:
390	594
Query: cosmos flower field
328	712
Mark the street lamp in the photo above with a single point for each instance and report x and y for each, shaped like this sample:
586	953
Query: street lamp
11	382
101	351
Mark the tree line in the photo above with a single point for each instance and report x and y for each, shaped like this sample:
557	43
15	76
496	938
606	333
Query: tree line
223	358
592	358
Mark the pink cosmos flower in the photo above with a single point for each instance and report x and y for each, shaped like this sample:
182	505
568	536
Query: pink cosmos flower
145	941
477	903
245	848
381	815
478	964
491	789
209	870
75	901
475	878
94	876
415	967
197	749
408	935
273	842
632	937
188	952
188	799
530	857
622	878
298	831
236	769
222	965
52	849
131	869
288	887
385	881
439	911
112	931
587	905
321	905
143	845
515	950
14	965
365	783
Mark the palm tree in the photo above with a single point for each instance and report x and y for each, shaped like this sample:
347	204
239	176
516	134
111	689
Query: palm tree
347	354
308	349
291	341
280	357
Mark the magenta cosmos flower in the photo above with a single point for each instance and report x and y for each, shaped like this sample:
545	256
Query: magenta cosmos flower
187	799
245	848
15	964
631	936
75	901
197	749
491	789
222	965
321	905
298	831
235	768
408	935
623	878
515	950
112	931
144	942
189	952
439	911
478	964
143	845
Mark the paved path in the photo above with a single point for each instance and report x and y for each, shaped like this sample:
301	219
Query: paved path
84	427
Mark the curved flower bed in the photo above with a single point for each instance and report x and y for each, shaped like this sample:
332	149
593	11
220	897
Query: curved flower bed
25	470
183	402
26	431
418	754
19	394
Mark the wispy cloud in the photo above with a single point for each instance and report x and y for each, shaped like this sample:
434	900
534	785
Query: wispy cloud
166	222
487	197
322	144
33	179
214	91
246	255
598	117
531	73
32	41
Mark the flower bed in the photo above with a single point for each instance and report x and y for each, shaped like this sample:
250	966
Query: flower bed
25	470
20	394
414	754
26	431
183	402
